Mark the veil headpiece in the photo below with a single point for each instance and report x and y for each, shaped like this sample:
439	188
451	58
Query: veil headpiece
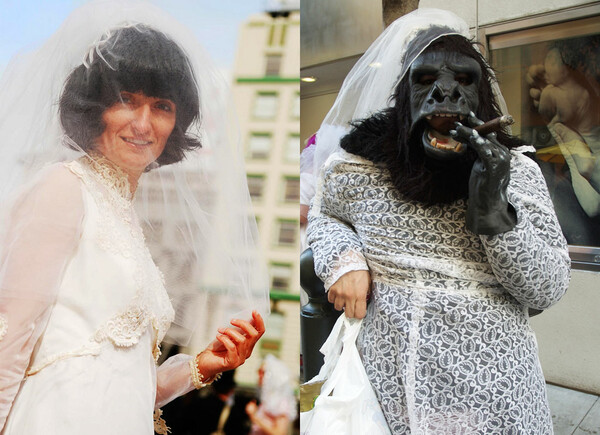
196	214
371	82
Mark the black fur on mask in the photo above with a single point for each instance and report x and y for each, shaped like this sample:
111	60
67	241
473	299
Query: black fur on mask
385	138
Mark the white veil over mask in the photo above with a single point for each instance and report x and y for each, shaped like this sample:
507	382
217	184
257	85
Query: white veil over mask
196	214
370	84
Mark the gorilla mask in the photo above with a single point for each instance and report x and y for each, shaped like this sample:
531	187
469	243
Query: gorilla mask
443	90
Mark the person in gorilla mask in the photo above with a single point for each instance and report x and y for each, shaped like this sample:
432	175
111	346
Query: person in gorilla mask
449	234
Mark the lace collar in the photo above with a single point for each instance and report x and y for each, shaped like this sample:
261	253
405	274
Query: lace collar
108	174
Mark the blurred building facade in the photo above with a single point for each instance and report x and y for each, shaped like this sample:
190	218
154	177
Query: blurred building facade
266	91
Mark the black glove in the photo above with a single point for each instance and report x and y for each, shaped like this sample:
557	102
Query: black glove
488	210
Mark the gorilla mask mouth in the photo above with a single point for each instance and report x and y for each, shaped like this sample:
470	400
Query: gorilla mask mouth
436	136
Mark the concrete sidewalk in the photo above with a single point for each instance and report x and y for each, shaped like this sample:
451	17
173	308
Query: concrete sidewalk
573	412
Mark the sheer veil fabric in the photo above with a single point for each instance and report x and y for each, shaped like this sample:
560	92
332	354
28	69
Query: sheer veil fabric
196	214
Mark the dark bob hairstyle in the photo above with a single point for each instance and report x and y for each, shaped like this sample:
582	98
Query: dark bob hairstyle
132	59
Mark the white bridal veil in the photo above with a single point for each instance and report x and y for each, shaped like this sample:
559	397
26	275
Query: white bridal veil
196	214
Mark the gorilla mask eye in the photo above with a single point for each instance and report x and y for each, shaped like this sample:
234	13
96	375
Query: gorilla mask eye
426	79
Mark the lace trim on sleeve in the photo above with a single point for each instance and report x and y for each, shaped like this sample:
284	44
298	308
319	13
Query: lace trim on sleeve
351	262
198	378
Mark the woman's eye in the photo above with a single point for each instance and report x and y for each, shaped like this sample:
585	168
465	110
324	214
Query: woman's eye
126	98
166	107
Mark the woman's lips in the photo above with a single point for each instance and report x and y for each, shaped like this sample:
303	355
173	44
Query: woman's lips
137	142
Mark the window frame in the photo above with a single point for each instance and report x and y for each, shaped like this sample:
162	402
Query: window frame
264	93
541	28
253	134
278	224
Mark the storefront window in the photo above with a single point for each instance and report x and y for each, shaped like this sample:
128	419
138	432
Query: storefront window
550	79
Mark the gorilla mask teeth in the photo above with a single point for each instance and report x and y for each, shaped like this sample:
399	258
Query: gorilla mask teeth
459	116
450	145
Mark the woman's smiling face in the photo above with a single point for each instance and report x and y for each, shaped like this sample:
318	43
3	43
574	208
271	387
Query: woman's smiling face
137	130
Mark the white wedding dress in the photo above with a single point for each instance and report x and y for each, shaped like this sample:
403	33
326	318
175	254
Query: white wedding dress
446	341
84	310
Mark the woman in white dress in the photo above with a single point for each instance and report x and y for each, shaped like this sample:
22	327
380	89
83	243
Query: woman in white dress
83	307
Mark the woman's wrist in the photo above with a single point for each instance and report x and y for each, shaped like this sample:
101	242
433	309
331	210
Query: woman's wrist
200	376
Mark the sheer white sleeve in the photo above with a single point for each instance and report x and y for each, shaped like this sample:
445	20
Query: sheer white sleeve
531	261
40	233
337	249
173	379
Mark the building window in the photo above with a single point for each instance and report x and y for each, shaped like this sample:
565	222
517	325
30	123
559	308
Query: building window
284	28
256	184
295	112
291	192
535	67
265	105
272	31
277	35
292	150
273	67
281	276
259	145
286	232
271	341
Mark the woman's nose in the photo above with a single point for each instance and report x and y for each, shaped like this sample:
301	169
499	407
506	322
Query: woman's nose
142	119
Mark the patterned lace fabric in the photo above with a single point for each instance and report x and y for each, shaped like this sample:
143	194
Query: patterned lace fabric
120	234
446	342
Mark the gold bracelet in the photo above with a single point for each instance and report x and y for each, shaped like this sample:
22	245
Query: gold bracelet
198	378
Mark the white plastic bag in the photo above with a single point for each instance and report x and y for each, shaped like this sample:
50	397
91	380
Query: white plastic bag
347	404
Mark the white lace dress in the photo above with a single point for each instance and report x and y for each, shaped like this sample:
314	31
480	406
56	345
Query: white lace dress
446	342
81	359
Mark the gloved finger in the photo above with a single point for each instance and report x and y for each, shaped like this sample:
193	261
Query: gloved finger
464	134
473	121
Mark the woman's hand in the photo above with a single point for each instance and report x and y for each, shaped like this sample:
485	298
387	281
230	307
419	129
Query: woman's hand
251	408
231	347
350	293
